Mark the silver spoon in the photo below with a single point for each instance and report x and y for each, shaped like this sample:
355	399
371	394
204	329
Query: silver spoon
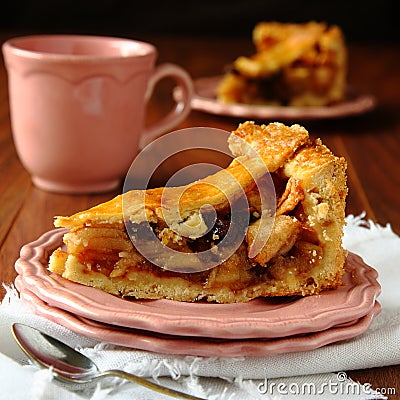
70	365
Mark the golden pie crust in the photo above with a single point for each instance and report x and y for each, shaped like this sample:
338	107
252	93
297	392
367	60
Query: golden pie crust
301	254
294	65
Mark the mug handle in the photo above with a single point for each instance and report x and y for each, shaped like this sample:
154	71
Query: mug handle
182	106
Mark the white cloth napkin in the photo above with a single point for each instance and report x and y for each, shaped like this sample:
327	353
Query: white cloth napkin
302	375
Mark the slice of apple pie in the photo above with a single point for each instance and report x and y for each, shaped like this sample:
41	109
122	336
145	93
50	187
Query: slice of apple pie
294	65
270	224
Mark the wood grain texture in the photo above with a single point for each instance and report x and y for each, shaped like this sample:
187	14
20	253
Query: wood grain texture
370	143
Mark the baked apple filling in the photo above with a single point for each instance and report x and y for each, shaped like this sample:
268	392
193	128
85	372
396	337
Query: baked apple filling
225	242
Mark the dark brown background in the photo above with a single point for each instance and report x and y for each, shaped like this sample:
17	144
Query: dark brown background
360	20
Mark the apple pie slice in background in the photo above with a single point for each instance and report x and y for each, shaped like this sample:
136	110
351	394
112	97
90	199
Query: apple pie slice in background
294	65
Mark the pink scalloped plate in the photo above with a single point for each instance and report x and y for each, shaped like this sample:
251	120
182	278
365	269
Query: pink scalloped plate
260	318
207	347
205	100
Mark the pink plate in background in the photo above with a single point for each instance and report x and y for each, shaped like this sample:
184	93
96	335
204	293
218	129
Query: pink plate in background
205	100
260	318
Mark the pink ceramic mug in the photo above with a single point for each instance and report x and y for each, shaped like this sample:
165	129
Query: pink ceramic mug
78	103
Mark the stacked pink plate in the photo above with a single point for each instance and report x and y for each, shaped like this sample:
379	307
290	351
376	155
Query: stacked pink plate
260	327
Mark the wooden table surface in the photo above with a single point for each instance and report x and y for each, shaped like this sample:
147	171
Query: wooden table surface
369	142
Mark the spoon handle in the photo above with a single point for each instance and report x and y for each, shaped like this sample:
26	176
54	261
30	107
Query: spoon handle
150	385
